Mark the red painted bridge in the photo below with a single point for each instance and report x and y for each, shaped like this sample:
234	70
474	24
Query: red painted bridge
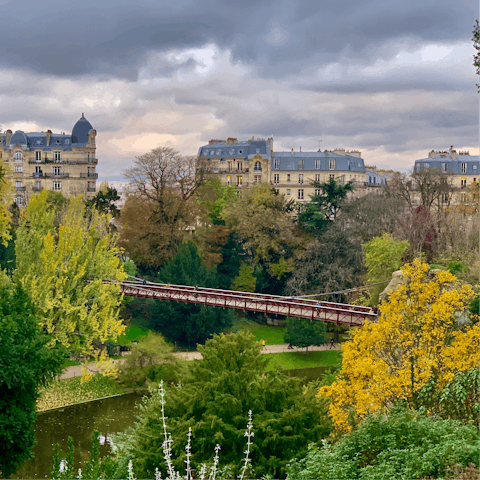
339	313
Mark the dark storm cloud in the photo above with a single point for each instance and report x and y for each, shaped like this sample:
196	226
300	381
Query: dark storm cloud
115	38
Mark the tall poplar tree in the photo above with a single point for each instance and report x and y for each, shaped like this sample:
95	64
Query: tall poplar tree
62	261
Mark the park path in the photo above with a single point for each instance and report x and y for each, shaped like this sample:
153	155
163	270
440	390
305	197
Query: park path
76	370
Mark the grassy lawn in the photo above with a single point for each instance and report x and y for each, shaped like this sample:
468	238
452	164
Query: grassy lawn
271	335
69	391
131	333
293	360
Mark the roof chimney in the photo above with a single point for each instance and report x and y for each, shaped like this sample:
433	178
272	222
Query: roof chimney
8	134
300	148
292	151
49	134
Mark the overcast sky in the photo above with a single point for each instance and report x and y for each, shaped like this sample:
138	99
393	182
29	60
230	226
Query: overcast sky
391	79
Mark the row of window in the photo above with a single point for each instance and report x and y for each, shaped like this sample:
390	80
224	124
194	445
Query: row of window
276	178
301	164
57	157
463	167
56	171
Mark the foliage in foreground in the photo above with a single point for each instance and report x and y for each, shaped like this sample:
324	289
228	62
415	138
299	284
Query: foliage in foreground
214	401
402	444
414	341
302	333
25	363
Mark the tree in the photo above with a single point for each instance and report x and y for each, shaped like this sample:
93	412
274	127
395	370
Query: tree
150	358
323	208
245	282
402	444
331	263
162	206
25	364
214	399
383	256
302	333
414	340
183	323
104	200
63	268
6	188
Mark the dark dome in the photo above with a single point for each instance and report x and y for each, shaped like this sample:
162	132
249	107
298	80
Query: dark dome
18	138
80	131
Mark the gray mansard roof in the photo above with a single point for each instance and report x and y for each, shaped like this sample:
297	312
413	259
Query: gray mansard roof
38	140
451	165
317	161
240	150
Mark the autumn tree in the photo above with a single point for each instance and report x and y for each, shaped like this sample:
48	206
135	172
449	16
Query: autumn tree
161	207
263	222
63	267
414	341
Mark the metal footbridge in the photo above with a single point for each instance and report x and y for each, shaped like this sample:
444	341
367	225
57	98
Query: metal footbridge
339	313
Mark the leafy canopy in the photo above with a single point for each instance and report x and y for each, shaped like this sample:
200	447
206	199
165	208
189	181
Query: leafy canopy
302	333
414	340
63	267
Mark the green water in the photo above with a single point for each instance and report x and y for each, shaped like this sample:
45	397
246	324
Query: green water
108	416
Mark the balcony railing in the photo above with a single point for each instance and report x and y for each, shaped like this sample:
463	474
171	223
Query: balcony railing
20	189
37	189
50	175
89	175
91	189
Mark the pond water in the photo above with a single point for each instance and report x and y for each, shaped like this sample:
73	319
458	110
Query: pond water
108	416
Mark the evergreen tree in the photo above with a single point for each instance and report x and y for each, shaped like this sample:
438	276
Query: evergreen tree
302	333
25	364
183	323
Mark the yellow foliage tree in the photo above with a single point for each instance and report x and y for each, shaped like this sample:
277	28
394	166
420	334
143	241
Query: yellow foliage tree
414	340
61	263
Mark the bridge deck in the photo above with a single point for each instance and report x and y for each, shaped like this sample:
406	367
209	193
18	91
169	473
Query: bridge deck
340	313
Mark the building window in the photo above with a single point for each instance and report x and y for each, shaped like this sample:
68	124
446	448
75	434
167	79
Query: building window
57	186
18	185
18	168
38	156
317	191
19	201
301	164
229	166
18	157
276	163
57	156
240	166
300	178
332	176
288	177
288	191
317	177
257	179
463	182
332	164
474	167
426	165
463	198
464	168
300	194
257	167
276	178
445	198
444	167
38	185
317	164
229	180
239	181
57	170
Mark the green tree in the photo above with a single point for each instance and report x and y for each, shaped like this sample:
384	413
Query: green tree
104	200
151	359
63	268
25	364
183	323
300	332
402	444
323	208
383	256
214	400
245	282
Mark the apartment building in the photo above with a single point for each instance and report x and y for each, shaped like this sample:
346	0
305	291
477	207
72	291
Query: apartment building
55	161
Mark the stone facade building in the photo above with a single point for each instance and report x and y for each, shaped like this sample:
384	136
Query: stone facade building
45	160
254	161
